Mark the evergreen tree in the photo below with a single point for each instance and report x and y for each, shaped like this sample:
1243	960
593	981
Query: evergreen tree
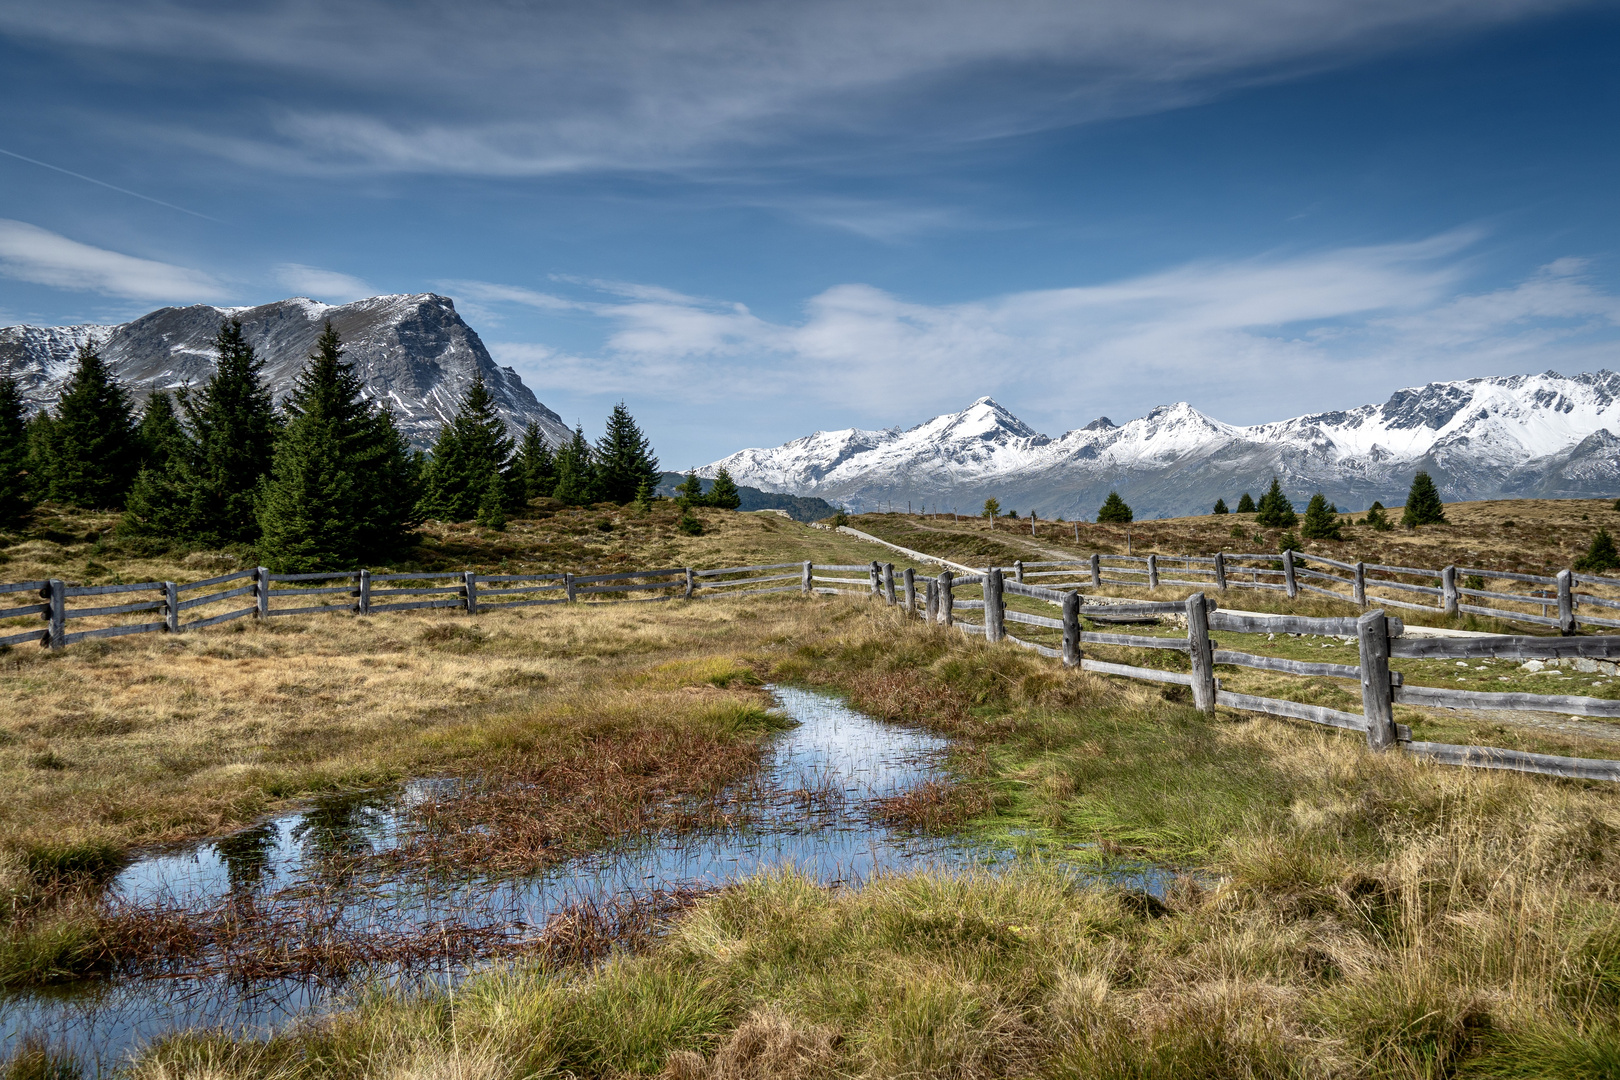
1600	556
90	451
992	508
343	483
1220	506
471	449
576	472
158	503
1423	505
16	499
624	458
1114	511
163	443
723	492
1246	504
233	427
492	506
1289	542
1321	520
1274	510
1377	518
644	498
535	466
690	491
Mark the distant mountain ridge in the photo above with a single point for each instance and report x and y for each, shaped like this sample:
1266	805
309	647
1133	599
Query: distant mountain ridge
1544	436
413	351
798	507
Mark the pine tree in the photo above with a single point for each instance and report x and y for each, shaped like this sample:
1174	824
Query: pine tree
1321	520
1423	505
1220	507
576	472
90	451
163	443
15	497
690	491
158	503
471	448
1114	511
624	458
644	498
233	426
1377	518
492	506
343	482
535	466
1246	504
723	493
992	509
1275	511
1600	556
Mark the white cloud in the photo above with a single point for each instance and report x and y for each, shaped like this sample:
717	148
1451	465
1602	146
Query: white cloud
1248	341
317	284
30	253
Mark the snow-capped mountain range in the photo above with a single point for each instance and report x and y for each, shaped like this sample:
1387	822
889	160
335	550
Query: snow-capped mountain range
414	353
1547	436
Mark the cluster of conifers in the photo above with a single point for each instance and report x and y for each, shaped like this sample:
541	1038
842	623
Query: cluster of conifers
320	482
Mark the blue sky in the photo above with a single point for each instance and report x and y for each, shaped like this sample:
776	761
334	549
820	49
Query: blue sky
751	221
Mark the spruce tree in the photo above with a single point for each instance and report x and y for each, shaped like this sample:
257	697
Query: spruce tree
1275	511
343	483
163	443
1378	518
1321	520
644	498
535	466
471	449
1114	511
233	426
690	491
90	450
1600	556
992	509
624	458
16	499
159	502
492	506
576	472
1220	507
1423	505
1246	504
723	493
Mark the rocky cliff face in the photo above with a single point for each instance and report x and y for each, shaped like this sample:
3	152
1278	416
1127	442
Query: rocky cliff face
1545	436
414	353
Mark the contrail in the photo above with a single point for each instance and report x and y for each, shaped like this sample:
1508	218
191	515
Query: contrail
103	183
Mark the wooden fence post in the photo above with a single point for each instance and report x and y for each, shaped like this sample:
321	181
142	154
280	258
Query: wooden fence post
1018	570
1358	588
1372	634
995	625
1071	629
1203	655
1288	575
1153	571
1077	532
1096	570
171	608
261	592
946	600
931	601
888	583
55	593
1448	589
568	586
805	581
1220	571
876	574
910	580
469	591
363	593
1566	603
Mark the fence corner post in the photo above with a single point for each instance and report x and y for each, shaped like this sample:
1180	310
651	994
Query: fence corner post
1359	587
171	607
1289	581
261	592
804	581
888	584
1071	629
1018	569
995	620
362	594
691	583
1096	570
568	585
909	580
469	591
1448	589
946	601
55	594
1202	652
1566	603
1153	571
1220	571
1377	705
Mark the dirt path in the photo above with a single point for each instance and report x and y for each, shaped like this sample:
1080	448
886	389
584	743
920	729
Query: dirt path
1026	543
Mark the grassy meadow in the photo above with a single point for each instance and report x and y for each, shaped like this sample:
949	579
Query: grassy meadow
1336	913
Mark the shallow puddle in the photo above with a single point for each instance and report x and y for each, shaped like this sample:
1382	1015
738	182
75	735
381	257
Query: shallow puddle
819	779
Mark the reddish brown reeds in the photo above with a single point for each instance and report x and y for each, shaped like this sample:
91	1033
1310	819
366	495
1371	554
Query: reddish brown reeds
935	806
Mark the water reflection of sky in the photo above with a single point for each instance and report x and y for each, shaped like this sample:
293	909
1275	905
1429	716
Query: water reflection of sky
846	758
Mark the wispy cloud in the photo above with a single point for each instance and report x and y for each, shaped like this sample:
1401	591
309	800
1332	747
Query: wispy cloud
1248	340
30	253
319	284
